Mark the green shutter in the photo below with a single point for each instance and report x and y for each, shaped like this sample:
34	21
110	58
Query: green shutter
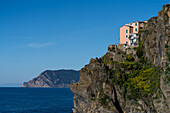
136	29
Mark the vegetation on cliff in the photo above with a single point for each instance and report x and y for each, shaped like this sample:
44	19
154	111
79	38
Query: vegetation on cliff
137	79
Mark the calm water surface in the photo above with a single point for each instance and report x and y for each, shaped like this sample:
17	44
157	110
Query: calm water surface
36	100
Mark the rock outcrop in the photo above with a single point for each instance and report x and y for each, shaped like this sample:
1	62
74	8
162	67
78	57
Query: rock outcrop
59	78
131	80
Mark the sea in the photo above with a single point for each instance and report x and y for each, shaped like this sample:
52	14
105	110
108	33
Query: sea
35	100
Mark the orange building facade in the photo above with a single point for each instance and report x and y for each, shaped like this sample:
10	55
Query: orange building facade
131	28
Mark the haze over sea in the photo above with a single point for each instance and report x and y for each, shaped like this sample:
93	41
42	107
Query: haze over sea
36	100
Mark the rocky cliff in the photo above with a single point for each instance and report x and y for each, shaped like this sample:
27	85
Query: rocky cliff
59	78
129	80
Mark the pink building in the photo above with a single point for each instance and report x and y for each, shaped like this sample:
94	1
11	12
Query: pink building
131	29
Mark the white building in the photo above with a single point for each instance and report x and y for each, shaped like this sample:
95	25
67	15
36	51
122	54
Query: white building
133	39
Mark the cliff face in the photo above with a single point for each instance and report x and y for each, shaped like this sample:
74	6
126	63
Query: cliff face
156	44
133	80
59	78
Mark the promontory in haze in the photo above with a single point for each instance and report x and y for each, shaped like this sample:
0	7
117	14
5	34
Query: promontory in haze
57	78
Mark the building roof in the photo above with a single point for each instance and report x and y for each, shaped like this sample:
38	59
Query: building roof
134	22
126	25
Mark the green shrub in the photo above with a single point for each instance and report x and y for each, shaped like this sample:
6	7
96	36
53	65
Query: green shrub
135	48
129	58
111	62
169	56
135	66
105	99
113	48
140	50
143	60
166	45
140	81
127	65
137	79
105	59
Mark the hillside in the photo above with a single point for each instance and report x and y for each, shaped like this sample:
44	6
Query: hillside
58	78
129	80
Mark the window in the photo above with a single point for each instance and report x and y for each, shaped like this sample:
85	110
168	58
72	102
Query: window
126	30
136	24
126	42
136	29
126	36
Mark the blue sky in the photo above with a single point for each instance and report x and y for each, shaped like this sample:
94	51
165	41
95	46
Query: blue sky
36	35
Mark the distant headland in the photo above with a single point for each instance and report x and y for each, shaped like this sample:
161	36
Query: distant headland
56	78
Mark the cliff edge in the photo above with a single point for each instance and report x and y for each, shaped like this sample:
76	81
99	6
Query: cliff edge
129	80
